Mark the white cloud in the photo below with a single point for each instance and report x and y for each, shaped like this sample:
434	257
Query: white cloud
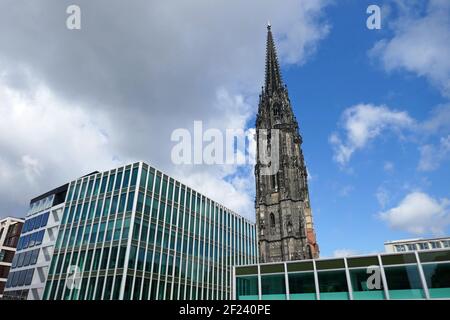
432	156
75	104
234	194
311	177
420	44
302	40
388	166
32	168
46	142
419	213
439	120
363	123
340	253
382	196
345	190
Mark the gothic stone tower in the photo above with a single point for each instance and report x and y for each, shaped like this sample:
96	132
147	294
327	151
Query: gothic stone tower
283	211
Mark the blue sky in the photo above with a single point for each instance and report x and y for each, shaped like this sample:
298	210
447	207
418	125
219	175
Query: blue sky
342	74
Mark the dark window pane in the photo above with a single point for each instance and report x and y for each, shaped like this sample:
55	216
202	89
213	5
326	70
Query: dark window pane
273	287
272	268
367	284
437	276
45	219
333	285
134	177
398	259
330	264
404	282
302	286
29	277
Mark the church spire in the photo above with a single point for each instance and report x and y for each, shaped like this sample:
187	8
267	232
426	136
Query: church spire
273	75
283	210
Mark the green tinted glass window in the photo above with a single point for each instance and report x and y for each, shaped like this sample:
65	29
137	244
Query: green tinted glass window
273	287
151	177
302	286
367	284
130	201
247	288
437	276
404	282
134	176
118	181
104	181
126	179
333	285
96	186
143	178
111	182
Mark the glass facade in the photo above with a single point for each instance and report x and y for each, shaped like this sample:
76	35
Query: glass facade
136	233
27	258
30	264
416	275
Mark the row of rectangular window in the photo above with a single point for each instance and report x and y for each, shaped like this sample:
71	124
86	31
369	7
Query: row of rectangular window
404	281
20	278
199	246
24	259
16	294
97	209
143	179
423	246
76	236
248	242
108	288
30	240
98	185
140	260
41	205
35	222
110	262
82	214
104	256
214	292
110	226
245	239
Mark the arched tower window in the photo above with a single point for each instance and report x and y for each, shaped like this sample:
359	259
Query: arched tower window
272	220
274	181
276	109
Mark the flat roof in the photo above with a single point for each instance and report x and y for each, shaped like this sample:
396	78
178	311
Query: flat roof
49	193
12	218
416	240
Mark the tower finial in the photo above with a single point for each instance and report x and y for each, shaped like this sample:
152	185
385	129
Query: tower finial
273	75
268	25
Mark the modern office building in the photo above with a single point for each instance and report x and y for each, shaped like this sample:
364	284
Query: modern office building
412	275
417	244
10	229
135	233
31	262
